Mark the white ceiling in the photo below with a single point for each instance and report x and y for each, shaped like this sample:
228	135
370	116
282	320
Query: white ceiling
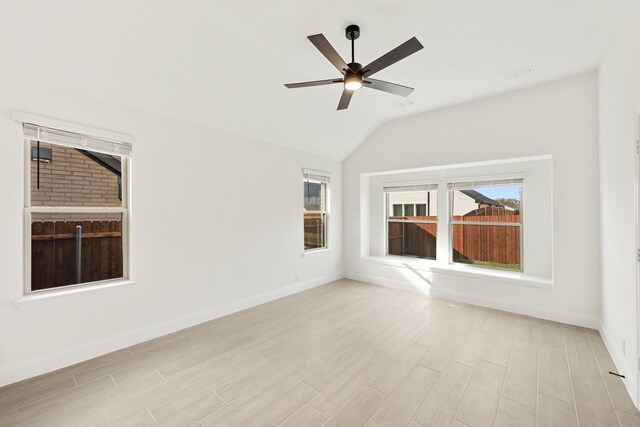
223	63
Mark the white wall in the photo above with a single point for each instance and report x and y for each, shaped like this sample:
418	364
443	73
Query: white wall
557	119
619	97
216	226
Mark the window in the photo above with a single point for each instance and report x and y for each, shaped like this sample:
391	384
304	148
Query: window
408	210
315	209
76	209
486	223
412	235
508	246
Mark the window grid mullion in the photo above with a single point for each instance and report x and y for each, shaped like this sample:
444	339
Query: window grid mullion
74	209
494	223
418	221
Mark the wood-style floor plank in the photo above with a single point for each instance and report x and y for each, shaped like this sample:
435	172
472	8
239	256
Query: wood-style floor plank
440	406
593	402
305	417
402	404
343	354
554	379
478	408
282	407
555	413
520	384
359	410
512	413
333	397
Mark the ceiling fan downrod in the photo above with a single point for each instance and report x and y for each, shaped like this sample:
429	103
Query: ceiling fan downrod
352	32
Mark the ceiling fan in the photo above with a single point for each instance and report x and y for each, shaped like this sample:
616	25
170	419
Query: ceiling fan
354	75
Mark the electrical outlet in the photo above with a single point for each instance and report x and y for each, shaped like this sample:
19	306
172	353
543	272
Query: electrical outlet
624	347
297	278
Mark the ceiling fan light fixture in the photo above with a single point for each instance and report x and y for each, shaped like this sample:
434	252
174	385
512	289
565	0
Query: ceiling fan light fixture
354	75
352	82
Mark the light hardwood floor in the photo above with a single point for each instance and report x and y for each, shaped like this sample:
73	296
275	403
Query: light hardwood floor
344	354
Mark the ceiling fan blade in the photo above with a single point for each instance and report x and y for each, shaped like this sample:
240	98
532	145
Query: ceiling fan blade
393	88
407	48
313	83
345	99
328	51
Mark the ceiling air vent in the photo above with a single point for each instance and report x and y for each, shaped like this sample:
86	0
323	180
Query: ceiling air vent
407	103
519	73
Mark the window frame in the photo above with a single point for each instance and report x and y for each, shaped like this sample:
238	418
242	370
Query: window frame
29	210
322	178
434	187
486	223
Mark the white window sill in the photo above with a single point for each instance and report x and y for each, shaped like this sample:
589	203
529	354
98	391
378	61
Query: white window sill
315	251
39	299
420	264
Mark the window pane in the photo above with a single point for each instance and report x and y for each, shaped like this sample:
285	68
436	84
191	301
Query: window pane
409	239
402	203
487	245
54	249
74	177
408	210
314	230
496	204
313	196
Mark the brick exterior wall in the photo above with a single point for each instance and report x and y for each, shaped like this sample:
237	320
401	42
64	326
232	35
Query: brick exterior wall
73	179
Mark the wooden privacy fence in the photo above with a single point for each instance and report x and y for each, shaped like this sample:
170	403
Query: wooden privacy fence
412	239
313	231
486	243
54	253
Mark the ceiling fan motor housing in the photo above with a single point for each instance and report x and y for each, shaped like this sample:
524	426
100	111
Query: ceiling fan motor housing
355	67
352	32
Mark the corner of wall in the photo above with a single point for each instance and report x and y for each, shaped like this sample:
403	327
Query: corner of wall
630	382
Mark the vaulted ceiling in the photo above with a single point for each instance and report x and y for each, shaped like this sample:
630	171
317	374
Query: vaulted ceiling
223	63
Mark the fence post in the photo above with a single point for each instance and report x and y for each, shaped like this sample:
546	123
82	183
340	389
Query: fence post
78	254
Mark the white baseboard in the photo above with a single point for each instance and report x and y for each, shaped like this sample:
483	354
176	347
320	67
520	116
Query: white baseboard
527	310
382	281
629	382
88	351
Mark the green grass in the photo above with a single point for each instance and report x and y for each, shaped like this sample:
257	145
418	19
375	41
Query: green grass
513	267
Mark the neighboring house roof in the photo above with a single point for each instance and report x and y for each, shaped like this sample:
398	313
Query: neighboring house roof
482	199
109	162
